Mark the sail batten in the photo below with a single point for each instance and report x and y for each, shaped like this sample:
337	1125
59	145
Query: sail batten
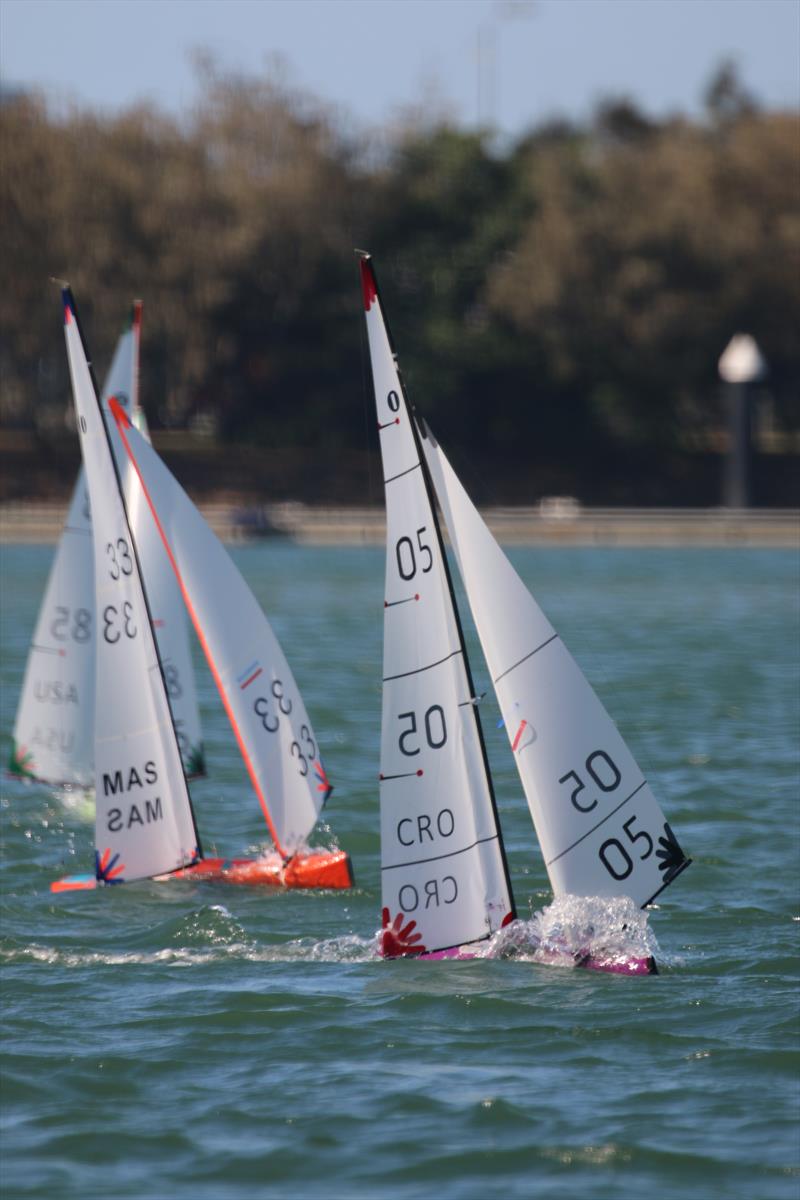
594	828
419	862
427	667
525	658
400	474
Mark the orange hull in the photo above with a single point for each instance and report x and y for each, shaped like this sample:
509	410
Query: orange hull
74	883
316	869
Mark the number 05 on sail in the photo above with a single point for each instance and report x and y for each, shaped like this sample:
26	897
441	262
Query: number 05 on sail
445	883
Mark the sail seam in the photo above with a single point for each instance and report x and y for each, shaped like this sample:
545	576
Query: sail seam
400	474
508	670
438	857
419	670
589	832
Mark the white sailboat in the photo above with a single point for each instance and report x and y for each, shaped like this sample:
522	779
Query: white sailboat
269	719
144	821
599	826
53	736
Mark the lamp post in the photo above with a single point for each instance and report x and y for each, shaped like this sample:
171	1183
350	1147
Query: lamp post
502	11
741	366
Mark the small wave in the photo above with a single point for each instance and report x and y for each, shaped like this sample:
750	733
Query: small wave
347	948
210	935
169	955
71	798
561	934
210	926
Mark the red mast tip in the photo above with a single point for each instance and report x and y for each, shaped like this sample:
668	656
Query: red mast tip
368	283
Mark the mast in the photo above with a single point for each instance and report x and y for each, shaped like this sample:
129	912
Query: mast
69	304
370	287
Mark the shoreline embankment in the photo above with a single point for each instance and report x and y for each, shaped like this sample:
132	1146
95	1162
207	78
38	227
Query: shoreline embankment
547	524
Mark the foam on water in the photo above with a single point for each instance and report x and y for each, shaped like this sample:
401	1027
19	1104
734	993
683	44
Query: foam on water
610	928
78	803
561	934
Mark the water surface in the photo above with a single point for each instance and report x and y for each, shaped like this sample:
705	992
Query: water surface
203	1042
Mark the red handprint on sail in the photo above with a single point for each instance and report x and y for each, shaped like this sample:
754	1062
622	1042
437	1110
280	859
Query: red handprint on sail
399	940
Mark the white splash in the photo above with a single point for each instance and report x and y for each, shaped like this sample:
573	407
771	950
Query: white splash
572	927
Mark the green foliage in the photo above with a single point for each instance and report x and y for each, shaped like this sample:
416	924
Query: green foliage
557	306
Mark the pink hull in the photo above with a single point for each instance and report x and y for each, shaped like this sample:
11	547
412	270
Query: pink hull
461	953
628	966
611	966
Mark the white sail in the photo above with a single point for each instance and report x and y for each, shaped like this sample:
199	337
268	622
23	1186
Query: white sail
144	821
54	728
599	825
172	634
166	605
122	380
441	854
258	690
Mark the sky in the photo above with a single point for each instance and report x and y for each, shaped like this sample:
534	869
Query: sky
507	63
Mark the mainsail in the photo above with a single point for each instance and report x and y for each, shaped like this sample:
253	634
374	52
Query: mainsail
144	820
54	728
442	859
256	685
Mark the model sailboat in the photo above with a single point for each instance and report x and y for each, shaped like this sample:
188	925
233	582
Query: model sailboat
144	825
54	728
600	828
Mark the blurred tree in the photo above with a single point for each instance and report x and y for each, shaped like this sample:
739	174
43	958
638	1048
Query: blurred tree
621	121
559	308
641	258
726	97
281	329
446	212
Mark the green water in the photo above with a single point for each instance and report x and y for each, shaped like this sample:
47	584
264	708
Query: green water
204	1042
